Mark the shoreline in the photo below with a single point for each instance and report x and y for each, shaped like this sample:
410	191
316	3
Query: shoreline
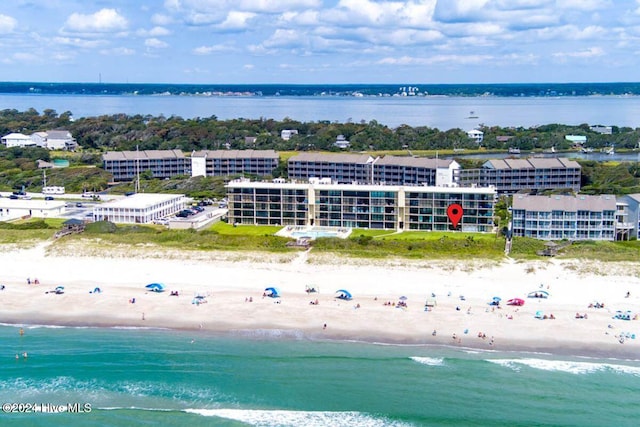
227	282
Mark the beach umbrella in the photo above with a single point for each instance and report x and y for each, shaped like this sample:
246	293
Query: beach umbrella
497	299
344	294
516	301
155	287
272	292
403	298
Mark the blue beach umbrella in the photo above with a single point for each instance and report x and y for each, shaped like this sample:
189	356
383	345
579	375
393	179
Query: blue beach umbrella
343	294
272	292
155	287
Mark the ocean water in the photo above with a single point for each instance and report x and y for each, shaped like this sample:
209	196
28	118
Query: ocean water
269	378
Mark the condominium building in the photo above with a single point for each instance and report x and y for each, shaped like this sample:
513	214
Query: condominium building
126	165
512	175
405	170
141	208
628	216
340	168
385	207
559	217
366	169
233	162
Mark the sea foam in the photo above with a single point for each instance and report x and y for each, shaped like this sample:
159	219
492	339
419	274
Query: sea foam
568	366
283	418
430	361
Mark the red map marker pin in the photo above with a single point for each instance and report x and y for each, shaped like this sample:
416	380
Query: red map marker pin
454	212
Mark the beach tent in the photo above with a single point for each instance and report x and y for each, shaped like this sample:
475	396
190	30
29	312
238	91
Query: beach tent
495	301
199	299
538	294
515	301
271	292
59	290
343	294
539	315
155	287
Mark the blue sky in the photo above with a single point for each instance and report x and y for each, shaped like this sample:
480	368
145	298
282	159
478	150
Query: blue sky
320	41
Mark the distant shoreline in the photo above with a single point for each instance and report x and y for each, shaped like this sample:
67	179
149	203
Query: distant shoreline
302	90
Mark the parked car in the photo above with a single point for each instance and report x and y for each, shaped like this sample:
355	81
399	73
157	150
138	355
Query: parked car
48	198
78	205
14	197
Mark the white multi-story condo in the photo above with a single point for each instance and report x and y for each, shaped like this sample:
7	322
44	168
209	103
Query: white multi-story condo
387	207
559	217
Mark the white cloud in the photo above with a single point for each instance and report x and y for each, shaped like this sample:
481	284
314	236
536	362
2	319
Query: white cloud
155	43
118	51
79	42
236	20
161	19
586	5
436	59
7	24
585	53
248	66
208	50
103	21
154	32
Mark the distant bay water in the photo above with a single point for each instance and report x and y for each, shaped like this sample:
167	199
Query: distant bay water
441	112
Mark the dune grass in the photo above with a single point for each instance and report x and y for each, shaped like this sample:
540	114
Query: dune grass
366	244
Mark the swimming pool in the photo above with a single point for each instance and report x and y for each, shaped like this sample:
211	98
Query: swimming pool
315	232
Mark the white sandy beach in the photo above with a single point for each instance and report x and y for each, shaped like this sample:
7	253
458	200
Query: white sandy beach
462	292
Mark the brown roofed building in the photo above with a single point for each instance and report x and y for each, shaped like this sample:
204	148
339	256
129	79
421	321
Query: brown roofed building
559	217
512	175
233	162
125	165
341	168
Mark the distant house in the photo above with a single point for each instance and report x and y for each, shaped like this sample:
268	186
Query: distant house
476	135
503	138
604	130
250	140
286	134
51	139
576	139
60	140
17	140
341	142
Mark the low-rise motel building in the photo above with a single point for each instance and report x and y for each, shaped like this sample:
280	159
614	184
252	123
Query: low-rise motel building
386	207
140	208
558	217
11	209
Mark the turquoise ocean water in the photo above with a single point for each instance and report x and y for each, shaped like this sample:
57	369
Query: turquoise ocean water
267	378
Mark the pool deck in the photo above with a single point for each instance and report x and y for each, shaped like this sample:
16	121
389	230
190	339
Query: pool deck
307	232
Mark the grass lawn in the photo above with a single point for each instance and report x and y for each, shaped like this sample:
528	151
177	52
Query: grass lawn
372	244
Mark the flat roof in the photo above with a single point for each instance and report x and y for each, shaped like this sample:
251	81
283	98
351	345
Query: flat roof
332	158
140	200
362	187
581	202
236	154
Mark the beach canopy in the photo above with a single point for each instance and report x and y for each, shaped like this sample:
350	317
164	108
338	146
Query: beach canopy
538	294
343	294
271	292
59	289
155	287
403	298
515	301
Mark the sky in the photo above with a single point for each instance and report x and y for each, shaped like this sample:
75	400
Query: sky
320	41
